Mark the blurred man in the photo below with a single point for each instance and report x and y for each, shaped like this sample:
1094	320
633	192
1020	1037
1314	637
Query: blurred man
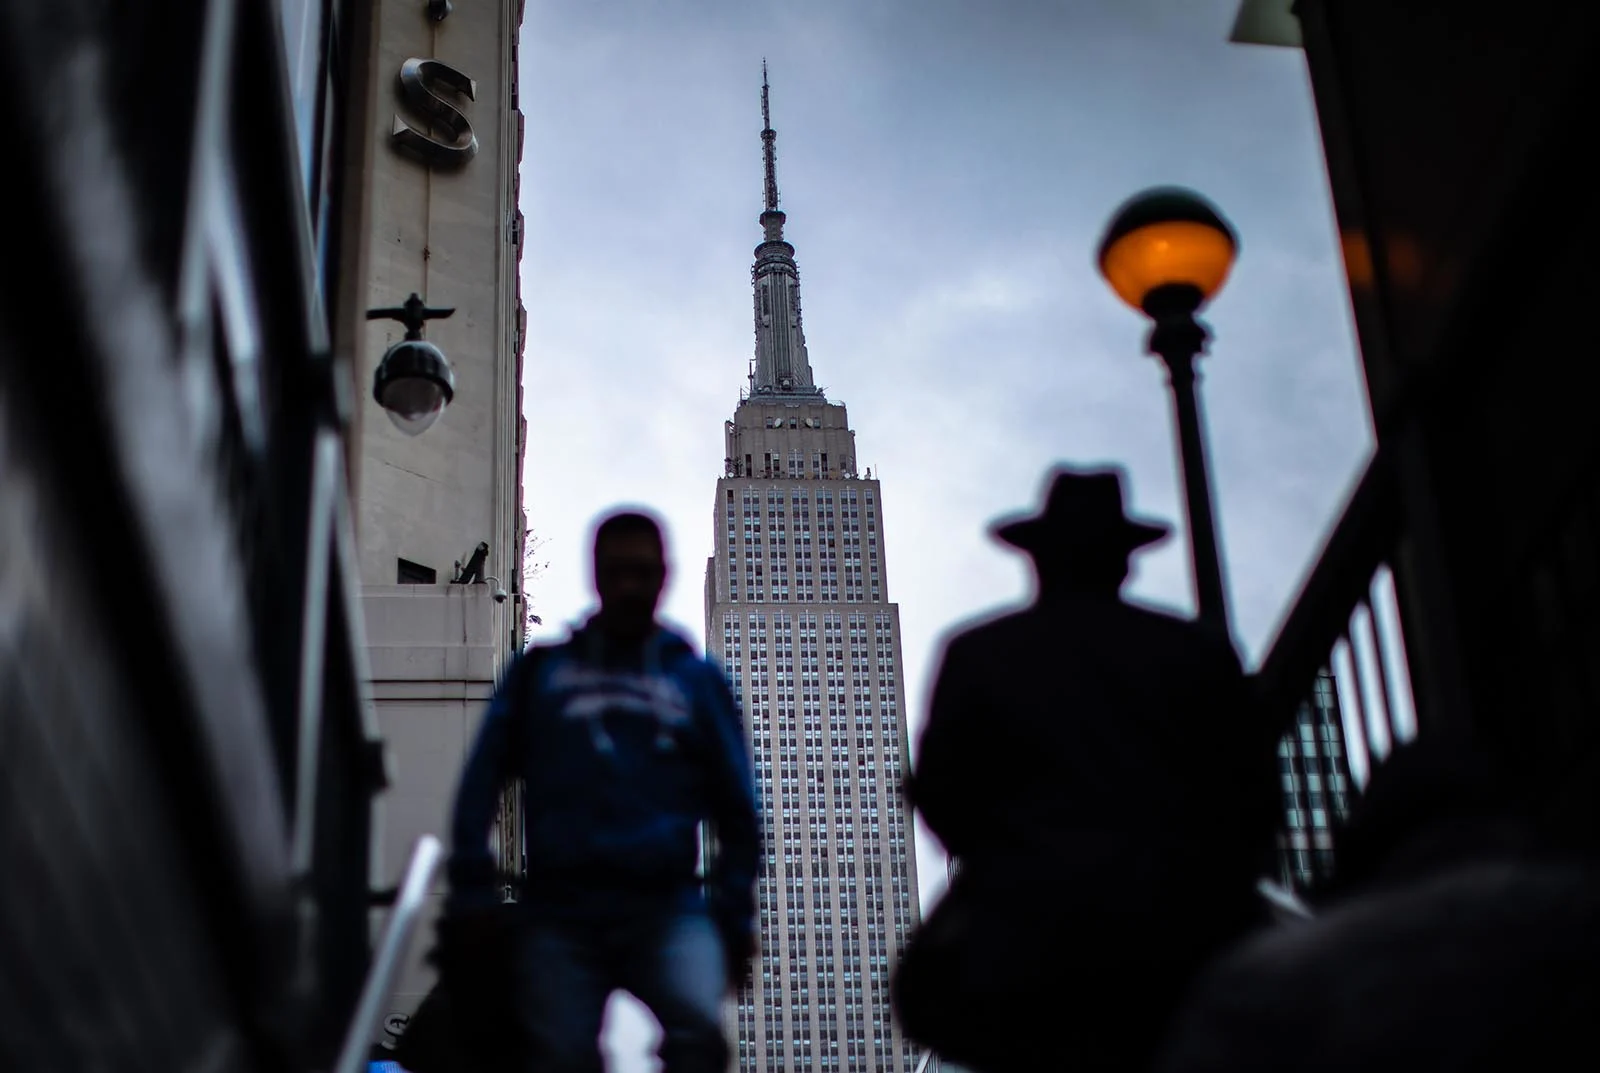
1102	774
627	742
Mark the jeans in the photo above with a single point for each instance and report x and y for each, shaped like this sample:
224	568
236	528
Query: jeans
674	965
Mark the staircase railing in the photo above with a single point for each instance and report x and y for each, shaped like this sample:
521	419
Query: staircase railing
1345	622
398	932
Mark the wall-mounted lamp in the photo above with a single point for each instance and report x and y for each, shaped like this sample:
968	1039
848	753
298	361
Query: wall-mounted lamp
413	382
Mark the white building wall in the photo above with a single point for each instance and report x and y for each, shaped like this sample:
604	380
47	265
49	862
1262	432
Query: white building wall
434	655
452	235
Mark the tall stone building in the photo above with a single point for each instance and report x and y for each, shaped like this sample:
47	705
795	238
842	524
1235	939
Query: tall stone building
438	514
798	611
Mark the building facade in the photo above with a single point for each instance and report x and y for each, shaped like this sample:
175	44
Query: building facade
1315	771
438	515
192	770
798	612
1446	134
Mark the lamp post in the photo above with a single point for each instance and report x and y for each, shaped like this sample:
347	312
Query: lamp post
413	383
1166	252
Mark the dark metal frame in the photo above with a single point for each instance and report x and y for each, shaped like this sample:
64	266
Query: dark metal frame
1481	664
1384	525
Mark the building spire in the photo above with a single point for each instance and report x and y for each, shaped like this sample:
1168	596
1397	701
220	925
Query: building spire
781	363
769	139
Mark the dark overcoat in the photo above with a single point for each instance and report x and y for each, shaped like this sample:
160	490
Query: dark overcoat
1105	778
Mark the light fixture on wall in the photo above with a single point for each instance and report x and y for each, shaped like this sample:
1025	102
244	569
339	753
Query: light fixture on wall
413	383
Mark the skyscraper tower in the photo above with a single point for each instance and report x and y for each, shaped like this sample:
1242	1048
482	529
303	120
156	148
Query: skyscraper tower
798	611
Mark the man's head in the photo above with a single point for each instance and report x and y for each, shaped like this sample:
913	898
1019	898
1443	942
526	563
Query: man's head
1091	572
1081	542
630	568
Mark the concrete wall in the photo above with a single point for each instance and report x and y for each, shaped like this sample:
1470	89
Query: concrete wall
451	234
433	657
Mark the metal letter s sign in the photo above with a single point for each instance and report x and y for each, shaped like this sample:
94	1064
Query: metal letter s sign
418	81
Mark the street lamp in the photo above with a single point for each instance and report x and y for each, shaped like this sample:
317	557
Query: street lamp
1167	252
413	383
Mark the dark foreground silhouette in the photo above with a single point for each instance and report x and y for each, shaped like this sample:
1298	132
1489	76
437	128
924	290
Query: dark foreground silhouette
1457	940
1101	773
468	1023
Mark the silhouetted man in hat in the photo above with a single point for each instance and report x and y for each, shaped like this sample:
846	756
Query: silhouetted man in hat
1101	773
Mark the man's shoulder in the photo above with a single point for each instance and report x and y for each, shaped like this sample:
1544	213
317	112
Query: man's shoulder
707	687
1199	634
530	667
555	644
679	656
984	632
699	671
542	652
702	669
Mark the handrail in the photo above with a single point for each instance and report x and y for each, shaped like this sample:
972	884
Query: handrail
396	939
324	491
1286	906
1357	546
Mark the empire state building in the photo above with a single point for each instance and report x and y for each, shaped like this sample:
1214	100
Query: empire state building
798	611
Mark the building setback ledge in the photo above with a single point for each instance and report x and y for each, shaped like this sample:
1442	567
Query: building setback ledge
471	692
433	634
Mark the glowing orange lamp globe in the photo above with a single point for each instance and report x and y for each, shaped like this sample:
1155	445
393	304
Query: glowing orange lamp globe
1167	248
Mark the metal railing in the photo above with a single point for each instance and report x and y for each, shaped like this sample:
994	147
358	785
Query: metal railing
398	934
1340	655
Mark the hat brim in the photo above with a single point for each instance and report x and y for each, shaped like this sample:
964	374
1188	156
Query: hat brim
1031	533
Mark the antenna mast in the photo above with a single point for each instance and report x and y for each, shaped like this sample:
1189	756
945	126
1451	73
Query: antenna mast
769	138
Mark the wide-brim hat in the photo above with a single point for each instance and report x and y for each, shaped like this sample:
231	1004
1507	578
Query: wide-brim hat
1083	512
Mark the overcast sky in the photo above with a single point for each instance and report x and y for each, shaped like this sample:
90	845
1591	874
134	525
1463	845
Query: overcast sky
947	169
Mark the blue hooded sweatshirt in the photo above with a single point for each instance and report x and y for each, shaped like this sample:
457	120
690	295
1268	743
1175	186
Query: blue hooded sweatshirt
622	762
